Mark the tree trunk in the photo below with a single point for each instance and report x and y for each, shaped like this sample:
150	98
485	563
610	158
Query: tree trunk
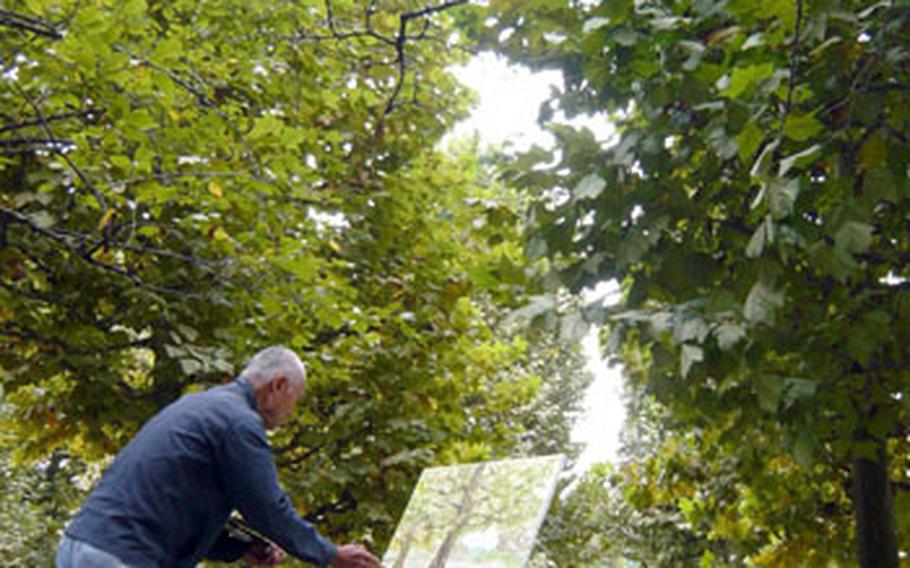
873	507
405	549
465	508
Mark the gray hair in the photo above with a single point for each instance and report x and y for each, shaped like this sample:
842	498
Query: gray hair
273	362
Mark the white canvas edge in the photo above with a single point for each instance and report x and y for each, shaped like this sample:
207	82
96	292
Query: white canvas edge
547	503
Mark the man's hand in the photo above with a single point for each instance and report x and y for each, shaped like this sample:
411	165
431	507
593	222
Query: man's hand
263	554
354	556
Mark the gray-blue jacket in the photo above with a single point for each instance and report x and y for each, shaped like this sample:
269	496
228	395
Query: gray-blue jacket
164	500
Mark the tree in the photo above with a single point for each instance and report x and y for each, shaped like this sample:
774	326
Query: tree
754	207
186	182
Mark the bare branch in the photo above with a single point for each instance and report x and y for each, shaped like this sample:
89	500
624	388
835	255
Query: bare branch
403	37
434	9
398	41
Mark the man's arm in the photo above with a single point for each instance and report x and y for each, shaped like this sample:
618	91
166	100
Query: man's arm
251	480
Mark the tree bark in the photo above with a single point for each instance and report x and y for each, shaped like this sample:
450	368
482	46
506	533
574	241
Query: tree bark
873	507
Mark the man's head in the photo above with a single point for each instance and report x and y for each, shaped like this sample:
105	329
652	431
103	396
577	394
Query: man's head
279	380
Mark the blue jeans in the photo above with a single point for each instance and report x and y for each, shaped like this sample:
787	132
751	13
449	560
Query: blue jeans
74	553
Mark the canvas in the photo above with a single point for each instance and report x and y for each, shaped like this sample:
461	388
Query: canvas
479	515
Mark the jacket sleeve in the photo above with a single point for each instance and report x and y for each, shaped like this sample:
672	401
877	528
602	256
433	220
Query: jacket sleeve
253	489
226	548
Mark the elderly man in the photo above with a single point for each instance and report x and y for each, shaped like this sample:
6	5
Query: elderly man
164	500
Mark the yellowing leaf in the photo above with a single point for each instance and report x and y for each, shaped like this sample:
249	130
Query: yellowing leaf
215	189
219	234
874	152
106	218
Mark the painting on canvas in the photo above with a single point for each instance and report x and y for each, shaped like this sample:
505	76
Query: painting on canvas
478	515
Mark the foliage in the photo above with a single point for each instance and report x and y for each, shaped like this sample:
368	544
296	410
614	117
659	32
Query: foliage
753	205
684	497
186	182
35	502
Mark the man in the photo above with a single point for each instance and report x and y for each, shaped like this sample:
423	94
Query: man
164	500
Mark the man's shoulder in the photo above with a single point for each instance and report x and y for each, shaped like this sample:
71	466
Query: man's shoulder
228	403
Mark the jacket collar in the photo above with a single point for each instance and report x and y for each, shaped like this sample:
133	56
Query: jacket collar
247	389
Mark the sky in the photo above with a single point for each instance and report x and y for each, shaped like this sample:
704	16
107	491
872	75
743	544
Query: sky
509	99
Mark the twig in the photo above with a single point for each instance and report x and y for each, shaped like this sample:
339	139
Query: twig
794	61
32	140
203	100
13	329
91	114
403	37
398	41
79	251
69	162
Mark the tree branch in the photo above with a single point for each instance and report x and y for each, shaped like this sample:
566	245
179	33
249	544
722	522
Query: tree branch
794	62
29	24
90	114
79	250
398	41
15	330
57	150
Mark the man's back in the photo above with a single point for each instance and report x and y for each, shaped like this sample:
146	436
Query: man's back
163	499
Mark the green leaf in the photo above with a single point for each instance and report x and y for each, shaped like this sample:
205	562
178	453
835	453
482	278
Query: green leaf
689	355
781	195
879	185
140	119
573	327
122	162
537	306
801	127
800	159
748	141
744	80
761	303
589	187
729	334
265	126
770	390
803	448
763	163
797	389
750	11
853	237
595	23
691	328
757	242
167	50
